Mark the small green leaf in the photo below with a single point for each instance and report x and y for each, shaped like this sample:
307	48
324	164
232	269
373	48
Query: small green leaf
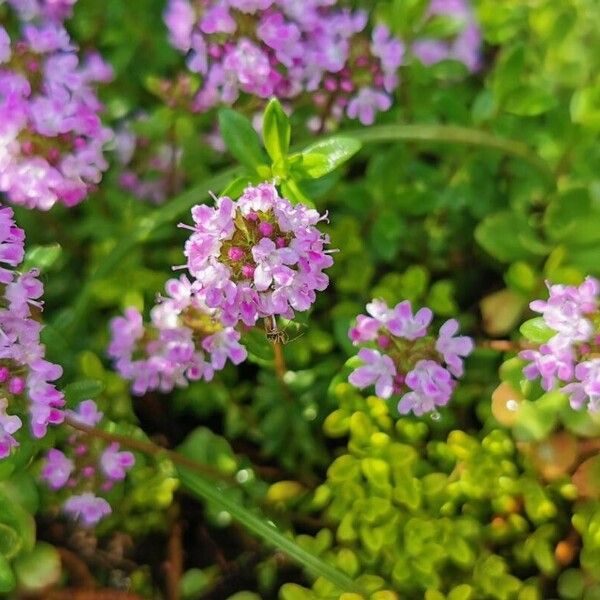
291	190
276	131
82	390
236	188
332	153
536	331
7	578
39	569
41	257
529	101
241	139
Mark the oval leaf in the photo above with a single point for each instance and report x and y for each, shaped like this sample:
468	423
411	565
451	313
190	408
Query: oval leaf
333	152
241	139
276	131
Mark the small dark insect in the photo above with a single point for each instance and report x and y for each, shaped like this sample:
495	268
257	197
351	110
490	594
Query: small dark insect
276	335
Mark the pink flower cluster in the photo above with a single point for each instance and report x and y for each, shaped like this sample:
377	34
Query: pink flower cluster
465	47
25	375
81	470
406	360
257	257
51	137
284	48
185	340
28	10
571	355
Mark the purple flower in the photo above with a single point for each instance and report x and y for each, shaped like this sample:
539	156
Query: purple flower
366	104
453	349
87	508
224	345
25	375
9	424
464	47
87	413
115	464
57	469
284	48
403	338
29	10
431	387
404	324
378	369
565	309
51	137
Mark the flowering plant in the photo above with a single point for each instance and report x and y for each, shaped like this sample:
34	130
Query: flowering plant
299	299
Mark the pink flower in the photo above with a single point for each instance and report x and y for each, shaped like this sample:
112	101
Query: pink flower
87	507
115	464
378	369
57	469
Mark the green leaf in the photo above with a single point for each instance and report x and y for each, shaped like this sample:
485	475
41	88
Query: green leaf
291	190
82	390
508	237
263	528
204	446
241	139
536	331
327	155
41	257
236	188
38	569
7	577
529	101
276	131
18	528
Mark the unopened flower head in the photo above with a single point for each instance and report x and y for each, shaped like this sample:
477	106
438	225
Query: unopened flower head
403	359
51	137
26	390
569	359
257	257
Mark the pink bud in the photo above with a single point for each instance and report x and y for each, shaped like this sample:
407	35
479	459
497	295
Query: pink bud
280	242
16	385
88	471
383	341
53	155
4	374
265	229
248	271
330	84
235	253
252	216
28	147
81	450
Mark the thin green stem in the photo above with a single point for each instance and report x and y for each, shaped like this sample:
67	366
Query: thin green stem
264	529
451	134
